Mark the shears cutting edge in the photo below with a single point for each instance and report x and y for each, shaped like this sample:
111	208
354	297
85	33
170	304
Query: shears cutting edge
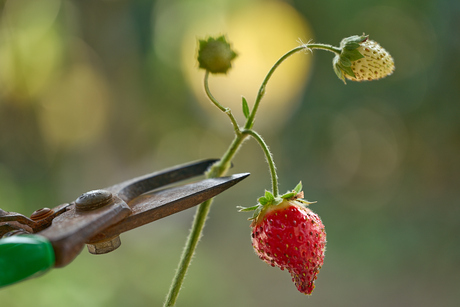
54	237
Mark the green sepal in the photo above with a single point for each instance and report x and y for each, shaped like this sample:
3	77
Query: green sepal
297	190
298	187
337	70
262	200
344	61
269	196
256	213
353	42
348	71
247	209
306	202
351	46
245	108
269	199
352	55
349	53
288	195
340	69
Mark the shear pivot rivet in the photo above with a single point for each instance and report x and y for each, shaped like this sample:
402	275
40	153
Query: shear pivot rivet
93	200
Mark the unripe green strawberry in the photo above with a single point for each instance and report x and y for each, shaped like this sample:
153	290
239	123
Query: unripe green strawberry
215	55
362	59
290	236
376	64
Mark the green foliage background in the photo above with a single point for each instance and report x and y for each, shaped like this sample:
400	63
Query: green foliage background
381	158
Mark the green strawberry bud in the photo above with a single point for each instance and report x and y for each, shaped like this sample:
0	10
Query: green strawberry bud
215	55
362	59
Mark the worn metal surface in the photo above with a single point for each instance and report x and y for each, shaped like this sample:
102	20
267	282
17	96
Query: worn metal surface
14	221
41	214
159	204
71	230
104	247
98	217
93	200
132	188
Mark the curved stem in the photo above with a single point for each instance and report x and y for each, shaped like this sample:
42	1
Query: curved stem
268	156
330	48
218	105
251	117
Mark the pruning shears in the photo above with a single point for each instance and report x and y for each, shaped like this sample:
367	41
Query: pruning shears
30	246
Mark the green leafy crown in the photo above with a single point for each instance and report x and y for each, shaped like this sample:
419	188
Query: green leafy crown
270	200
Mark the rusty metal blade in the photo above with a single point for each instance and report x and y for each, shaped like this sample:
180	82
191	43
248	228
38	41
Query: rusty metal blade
159	204
132	188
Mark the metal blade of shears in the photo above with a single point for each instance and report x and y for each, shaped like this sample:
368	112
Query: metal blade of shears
158	204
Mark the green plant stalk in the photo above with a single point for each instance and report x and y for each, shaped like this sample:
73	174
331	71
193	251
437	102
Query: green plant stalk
189	249
261	93
221	167
268	156
218	105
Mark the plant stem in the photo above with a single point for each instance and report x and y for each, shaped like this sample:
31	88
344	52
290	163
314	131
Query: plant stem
221	167
330	48
218	105
261	93
268	156
187	253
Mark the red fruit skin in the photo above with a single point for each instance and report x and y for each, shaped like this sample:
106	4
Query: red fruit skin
291	237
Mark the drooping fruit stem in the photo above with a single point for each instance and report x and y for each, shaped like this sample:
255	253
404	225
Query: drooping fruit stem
250	121
268	156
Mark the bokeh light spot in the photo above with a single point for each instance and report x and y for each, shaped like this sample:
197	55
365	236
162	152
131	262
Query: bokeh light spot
260	32
75	111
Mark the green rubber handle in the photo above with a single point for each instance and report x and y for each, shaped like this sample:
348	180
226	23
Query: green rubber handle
24	256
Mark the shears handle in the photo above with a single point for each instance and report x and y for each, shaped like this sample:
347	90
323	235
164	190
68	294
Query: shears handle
24	256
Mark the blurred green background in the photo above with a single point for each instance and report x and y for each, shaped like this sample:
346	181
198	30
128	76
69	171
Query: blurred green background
95	92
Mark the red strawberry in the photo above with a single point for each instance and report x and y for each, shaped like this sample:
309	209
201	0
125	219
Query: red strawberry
290	236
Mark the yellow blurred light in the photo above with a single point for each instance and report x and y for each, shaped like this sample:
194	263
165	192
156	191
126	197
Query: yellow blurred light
27	66
260	32
30	47
30	17
74	111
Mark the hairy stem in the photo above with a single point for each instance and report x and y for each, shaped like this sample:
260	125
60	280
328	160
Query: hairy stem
268	156
220	168
261	93
218	105
187	253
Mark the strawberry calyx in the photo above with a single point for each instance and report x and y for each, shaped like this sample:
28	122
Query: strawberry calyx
349	53
269	200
